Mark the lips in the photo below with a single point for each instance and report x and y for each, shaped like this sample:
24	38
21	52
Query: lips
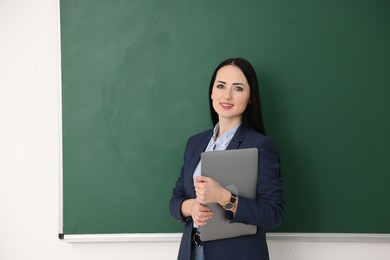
226	105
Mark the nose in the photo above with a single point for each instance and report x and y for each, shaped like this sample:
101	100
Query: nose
228	93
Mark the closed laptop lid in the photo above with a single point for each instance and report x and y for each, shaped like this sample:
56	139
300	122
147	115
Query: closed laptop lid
236	170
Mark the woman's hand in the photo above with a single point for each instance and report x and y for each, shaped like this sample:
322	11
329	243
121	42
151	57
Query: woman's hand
200	214
210	191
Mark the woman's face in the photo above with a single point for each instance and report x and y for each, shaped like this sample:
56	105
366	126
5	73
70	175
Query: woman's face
230	94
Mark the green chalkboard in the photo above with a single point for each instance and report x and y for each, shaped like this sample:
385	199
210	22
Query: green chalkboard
135	79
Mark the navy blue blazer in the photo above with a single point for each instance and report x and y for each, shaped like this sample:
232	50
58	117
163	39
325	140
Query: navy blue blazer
266	212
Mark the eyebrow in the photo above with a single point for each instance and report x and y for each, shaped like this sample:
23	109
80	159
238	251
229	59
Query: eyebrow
235	84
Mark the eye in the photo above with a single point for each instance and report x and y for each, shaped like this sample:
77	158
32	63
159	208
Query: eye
239	89
220	86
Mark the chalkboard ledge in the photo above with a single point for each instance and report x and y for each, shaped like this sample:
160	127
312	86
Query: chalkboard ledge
329	237
136	237
175	237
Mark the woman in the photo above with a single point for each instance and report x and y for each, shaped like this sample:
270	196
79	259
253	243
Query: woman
237	119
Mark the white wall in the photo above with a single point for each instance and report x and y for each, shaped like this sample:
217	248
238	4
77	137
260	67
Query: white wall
30	154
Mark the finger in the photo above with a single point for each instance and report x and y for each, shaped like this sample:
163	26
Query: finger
198	185
202	211
201	178
201	199
204	208
201	223
203	219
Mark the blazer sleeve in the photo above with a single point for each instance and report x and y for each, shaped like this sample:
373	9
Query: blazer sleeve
178	196
267	210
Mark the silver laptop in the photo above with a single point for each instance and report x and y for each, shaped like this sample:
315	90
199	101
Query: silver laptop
236	170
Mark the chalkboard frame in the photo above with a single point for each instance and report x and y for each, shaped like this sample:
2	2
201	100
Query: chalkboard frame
270	79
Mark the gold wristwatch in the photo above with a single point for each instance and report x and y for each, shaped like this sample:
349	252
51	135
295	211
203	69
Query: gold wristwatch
230	204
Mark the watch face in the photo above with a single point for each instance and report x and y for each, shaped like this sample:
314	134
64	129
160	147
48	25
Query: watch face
228	206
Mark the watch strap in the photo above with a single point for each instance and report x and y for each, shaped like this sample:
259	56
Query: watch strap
233	198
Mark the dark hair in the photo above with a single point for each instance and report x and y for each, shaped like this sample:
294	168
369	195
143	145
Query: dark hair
252	116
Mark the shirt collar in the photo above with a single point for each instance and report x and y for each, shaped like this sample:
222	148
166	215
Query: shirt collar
226	137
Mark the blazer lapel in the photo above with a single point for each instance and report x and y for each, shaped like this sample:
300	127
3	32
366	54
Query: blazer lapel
238	137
